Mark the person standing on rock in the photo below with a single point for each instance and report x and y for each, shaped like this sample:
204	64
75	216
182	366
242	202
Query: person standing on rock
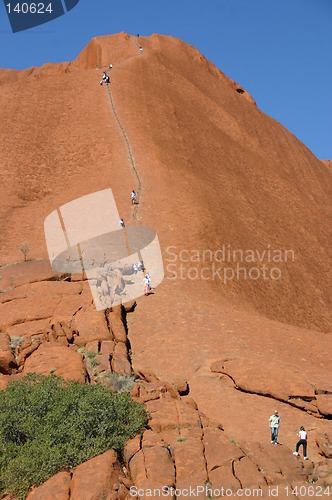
303	440
274	424
148	277
146	285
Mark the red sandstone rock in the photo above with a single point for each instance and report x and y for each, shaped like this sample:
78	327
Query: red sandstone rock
180	384
152	466
234	176
223	477
107	347
146	375
4	379
57	487
248	473
324	443
219	449
120	363
92	346
19	292
24	353
117	326
324	404
29	309
7	360
97	478
252	376
26	272
29	329
131	448
129	306
91	325
188	454
103	361
57	359
68	306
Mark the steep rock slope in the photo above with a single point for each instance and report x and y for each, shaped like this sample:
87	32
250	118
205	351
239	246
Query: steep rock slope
215	169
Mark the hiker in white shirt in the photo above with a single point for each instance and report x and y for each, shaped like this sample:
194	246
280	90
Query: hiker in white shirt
146	285
274	421
133	197
303	440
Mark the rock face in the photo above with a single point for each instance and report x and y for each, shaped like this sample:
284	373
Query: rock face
90	325
259	187
215	356
100	477
57	359
57	486
97	478
7	360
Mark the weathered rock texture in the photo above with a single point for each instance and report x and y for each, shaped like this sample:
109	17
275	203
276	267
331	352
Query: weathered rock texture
213	356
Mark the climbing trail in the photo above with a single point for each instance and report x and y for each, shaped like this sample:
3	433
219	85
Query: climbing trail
130	153
136	43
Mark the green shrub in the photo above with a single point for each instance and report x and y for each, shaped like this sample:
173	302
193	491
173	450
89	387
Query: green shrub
15	341
48	424
117	382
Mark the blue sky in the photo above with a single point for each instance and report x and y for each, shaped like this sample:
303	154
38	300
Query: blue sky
279	50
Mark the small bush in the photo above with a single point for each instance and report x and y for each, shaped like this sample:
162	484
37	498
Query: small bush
48	424
87	354
93	362
119	383
25	249
14	342
181	439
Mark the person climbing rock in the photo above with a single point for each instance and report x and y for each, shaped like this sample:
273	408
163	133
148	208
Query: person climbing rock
101	82
274	421
303	440
111	66
148	277
104	76
141	50
121	223
133	197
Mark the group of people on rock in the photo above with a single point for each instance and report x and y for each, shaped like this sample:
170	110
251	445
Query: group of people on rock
274	422
140	265
133	197
106	78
